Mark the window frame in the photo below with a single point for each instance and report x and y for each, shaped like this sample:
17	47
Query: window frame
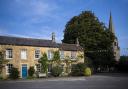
8	68
50	55
25	50
9	53
61	55
39	54
38	69
73	55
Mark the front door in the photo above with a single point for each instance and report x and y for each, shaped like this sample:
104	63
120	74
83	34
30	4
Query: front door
24	70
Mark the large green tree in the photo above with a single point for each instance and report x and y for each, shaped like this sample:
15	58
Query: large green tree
93	35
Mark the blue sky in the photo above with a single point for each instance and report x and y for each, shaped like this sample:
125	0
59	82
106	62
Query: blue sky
38	18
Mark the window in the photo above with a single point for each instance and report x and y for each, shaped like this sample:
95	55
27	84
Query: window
62	54
9	67
115	44
38	67
37	53
73	55
9	54
50	55
23	54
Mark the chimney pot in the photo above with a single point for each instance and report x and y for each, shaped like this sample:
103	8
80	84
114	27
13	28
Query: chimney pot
77	42
53	37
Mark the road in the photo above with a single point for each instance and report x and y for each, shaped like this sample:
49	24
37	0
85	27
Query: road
99	81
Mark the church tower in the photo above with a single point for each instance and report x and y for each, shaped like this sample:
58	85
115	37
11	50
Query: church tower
115	46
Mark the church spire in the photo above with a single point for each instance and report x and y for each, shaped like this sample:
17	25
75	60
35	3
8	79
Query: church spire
115	47
111	26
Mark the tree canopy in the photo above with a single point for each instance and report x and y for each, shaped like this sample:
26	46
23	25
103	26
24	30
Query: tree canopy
93	36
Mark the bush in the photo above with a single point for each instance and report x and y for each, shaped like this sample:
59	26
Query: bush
56	71
78	69
87	71
31	71
14	73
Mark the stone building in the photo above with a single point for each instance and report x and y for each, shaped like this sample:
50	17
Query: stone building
115	46
25	52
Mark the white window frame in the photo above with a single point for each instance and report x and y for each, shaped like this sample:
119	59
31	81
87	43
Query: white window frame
38	70
23	54
61	55
50	55
73	55
39	54
8	68
9	52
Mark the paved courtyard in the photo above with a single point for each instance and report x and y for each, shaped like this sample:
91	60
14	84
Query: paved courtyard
99	81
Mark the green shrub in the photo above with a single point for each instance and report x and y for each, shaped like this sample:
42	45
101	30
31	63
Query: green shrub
87	71
14	74
44	63
56	71
31	71
78	69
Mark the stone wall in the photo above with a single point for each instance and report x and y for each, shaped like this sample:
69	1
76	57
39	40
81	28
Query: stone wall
30	61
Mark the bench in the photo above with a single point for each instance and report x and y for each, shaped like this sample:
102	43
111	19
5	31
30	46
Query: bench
40	75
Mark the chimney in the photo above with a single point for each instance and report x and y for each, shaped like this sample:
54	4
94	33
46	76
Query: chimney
77	42
53	37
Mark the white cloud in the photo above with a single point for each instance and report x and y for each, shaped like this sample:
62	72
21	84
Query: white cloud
34	11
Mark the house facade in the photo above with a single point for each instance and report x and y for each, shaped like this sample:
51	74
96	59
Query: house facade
25	52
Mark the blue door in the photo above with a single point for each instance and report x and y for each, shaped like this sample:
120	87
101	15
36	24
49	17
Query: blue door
24	70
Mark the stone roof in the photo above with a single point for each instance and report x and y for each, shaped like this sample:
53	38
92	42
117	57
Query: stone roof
9	40
70	47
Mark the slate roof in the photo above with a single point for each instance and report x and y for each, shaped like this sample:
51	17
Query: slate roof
8	40
70	47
